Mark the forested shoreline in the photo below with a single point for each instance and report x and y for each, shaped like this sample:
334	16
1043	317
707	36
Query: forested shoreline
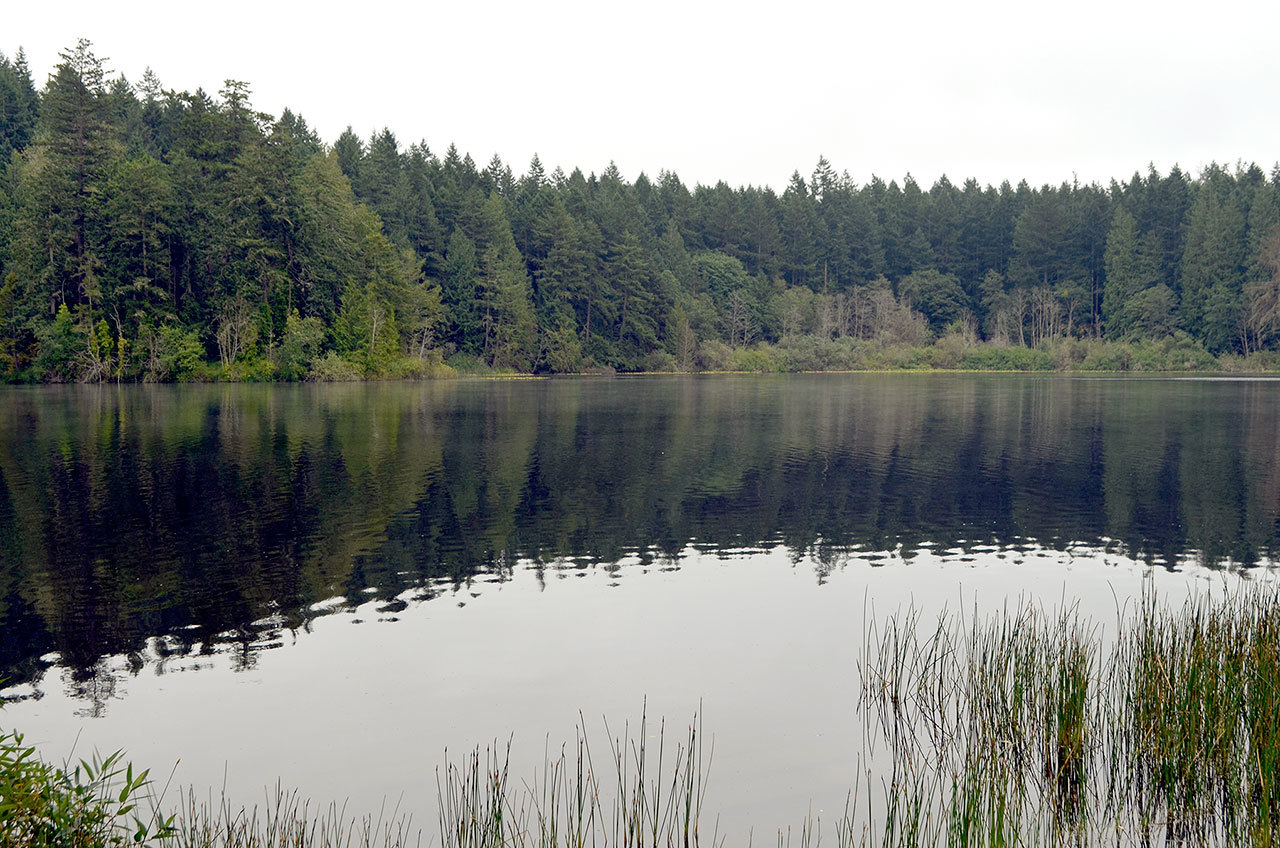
154	235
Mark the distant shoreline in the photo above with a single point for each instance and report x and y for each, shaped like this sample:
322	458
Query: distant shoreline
949	355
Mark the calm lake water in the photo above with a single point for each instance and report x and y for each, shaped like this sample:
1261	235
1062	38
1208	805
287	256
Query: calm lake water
330	585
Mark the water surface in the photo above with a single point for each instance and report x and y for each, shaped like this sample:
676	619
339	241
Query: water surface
331	584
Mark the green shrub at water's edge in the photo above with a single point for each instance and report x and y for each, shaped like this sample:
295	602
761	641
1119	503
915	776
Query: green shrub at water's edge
332	368
299	347
991	358
762	359
249	370
97	804
430	367
468	364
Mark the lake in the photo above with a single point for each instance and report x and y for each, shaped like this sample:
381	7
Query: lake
329	586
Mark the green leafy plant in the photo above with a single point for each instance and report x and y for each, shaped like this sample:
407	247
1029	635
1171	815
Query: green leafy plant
100	802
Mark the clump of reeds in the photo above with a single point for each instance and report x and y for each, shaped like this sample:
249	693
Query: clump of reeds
1030	728
992	719
1197	719
643	799
284	821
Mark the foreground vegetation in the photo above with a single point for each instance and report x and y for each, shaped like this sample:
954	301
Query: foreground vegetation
1035	729
94	804
1026	728
150	234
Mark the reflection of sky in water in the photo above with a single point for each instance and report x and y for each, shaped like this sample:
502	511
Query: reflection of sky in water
364	705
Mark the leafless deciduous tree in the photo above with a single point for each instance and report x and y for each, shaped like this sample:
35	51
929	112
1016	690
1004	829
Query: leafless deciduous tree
237	330
1262	298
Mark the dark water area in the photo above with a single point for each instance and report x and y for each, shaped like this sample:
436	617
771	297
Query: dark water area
151	530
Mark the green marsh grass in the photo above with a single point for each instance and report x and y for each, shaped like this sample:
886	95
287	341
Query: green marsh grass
641	798
285	820
1034	728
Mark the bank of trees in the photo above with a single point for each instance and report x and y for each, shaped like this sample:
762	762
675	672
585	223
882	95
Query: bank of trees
148	234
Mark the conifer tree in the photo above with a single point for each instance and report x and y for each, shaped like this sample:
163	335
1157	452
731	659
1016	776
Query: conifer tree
19	106
458	284
510	329
1131	267
1211	277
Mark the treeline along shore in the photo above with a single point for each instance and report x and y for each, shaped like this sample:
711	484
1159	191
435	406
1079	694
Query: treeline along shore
155	235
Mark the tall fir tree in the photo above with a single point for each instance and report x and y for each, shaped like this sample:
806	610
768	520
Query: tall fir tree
19	106
1132	266
1211	278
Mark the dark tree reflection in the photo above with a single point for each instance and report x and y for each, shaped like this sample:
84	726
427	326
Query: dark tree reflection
218	518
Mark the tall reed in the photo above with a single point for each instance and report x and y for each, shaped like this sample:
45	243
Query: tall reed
644	798
1035	730
284	821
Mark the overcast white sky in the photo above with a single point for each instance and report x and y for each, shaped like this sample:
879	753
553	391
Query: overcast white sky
745	91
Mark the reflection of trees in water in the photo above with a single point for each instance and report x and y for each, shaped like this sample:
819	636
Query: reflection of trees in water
195	512
94	684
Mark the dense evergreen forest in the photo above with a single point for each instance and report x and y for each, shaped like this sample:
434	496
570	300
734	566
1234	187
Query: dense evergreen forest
149	234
